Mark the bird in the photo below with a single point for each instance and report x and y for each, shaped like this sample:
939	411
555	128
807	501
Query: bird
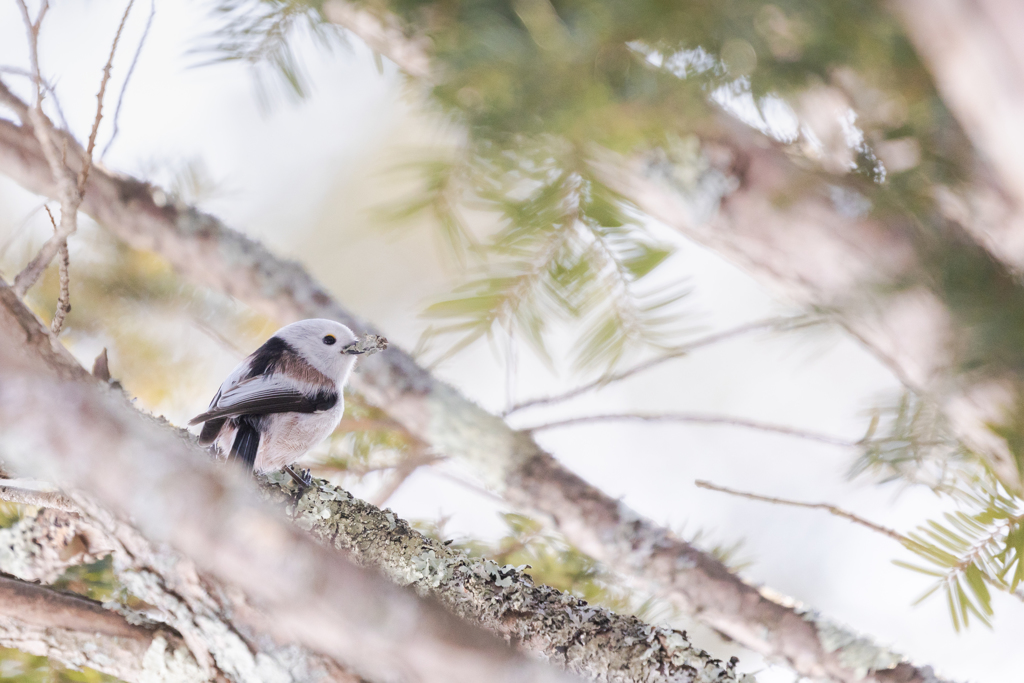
286	397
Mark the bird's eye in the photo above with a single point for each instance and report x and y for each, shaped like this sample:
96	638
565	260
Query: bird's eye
329	339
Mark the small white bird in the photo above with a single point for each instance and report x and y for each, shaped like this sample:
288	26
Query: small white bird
286	397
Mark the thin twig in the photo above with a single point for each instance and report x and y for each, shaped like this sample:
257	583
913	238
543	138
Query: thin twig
684	350
83	175
349	424
699	418
128	77
215	334
64	299
43	499
48	87
69	189
469	486
401	473
838	512
32	27
62	176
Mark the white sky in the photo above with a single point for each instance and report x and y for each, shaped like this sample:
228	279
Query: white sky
305	178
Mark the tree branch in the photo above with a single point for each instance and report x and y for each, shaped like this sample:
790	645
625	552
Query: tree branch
64	298
588	641
812	252
83	175
831	509
205	251
226	637
46	499
68	192
128	78
856	519
80	633
696	418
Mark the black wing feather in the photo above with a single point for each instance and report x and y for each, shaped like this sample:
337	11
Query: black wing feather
210	431
273	401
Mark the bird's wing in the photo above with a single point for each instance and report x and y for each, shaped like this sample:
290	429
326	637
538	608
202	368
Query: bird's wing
264	395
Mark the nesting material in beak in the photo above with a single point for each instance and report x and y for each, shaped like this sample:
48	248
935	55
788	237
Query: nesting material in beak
367	346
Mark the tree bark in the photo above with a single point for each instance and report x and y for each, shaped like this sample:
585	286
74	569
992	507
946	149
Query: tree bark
224	637
206	252
81	633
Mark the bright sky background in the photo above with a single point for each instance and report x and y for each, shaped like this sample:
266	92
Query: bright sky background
306	178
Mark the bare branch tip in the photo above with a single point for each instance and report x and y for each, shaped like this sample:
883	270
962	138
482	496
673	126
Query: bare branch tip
101	366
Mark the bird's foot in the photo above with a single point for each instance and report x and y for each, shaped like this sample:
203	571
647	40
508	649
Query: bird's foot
305	480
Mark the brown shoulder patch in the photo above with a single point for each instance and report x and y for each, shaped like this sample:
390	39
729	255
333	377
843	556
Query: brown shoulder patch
295	366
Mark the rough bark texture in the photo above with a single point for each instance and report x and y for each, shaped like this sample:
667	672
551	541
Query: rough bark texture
224	638
317	598
81	633
589	641
207	252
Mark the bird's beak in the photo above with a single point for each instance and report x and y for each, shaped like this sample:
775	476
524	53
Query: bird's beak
353	350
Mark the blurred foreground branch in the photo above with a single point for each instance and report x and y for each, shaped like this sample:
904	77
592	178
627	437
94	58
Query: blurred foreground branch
81	633
47	499
651	557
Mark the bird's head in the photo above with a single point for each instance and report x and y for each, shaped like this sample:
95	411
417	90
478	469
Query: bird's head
328	346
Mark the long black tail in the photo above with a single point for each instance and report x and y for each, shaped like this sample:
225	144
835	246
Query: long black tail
247	442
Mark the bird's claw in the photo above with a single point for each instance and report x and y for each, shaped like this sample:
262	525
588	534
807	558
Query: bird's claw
304	480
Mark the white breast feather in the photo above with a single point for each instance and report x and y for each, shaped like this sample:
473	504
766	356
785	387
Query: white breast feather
288	436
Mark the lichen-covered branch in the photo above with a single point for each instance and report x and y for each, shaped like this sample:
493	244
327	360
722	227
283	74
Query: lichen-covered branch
40	546
556	626
80	633
223	636
207	252
589	641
